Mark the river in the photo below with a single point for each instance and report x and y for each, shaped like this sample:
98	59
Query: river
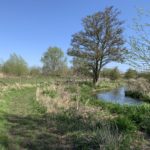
118	96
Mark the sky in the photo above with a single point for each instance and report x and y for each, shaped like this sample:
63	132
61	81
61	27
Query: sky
29	27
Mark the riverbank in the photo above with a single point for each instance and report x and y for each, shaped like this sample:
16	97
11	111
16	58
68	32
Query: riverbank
139	115
107	85
139	89
138	95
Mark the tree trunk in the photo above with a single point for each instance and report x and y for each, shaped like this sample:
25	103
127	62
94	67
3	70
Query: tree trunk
96	72
95	77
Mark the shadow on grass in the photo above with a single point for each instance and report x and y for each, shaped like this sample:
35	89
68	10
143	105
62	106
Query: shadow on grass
33	132
43	132
64	130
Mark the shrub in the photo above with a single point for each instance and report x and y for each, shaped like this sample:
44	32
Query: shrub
130	73
112	74
15	65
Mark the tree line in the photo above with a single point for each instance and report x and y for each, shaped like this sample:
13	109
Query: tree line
100	42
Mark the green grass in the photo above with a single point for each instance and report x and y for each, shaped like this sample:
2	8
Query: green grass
18	109
50	93
25	80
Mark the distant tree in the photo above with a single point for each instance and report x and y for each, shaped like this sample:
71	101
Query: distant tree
15	65
63	71
106	73
100	42
53	60
35	71
139	54
115	74
111	73
80	67
130	73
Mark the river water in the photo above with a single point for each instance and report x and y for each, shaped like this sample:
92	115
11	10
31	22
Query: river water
118	96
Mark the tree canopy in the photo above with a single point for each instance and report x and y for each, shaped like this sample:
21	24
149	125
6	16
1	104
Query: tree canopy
53	60
100	42
130	73
15	65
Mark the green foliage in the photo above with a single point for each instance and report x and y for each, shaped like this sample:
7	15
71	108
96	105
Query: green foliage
113	74
130	73
105	73
53	61
35	71
15	65
80	67
50	93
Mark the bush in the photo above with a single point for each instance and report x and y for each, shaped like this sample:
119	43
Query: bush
112	74
130	73
35	71
15	65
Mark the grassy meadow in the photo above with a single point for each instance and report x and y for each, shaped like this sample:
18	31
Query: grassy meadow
51	113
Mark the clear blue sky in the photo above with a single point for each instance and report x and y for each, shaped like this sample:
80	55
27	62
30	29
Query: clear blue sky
29	27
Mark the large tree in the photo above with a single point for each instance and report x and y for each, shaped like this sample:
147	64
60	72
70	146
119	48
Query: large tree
53	60
100	42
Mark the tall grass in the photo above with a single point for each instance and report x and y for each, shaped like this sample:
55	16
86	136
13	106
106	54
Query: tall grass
139	88
90	124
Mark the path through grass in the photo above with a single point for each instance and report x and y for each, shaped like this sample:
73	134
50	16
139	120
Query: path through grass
24	124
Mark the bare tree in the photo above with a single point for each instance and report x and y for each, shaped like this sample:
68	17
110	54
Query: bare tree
139	54
100	42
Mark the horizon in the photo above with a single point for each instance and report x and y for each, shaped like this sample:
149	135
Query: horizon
28	28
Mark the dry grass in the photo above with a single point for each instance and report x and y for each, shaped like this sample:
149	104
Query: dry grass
61	101
64	102
140	84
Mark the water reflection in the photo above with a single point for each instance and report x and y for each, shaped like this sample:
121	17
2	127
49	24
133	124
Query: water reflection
118	96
